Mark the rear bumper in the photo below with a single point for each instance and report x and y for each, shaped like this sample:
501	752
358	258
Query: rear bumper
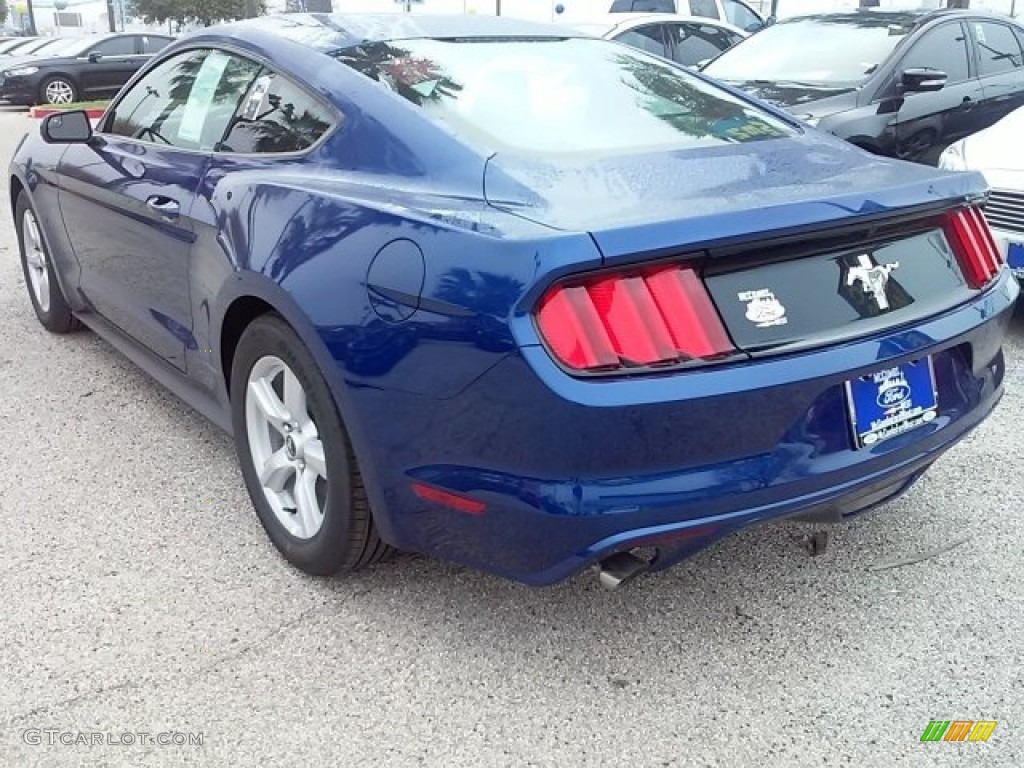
572	471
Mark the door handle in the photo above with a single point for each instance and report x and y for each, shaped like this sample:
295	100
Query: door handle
165	206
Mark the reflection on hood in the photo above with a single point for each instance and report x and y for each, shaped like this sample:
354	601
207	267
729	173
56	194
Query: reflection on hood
790	94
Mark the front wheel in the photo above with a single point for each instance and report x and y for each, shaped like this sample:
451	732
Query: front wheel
58	91
295	455
48	300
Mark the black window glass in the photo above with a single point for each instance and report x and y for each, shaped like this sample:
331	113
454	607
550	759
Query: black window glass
186	101
707	9
566	96
698	42
648	39
643	6
152	44
998	48
276	116
117	46
943	49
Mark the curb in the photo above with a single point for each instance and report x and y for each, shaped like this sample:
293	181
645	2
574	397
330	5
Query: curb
38	112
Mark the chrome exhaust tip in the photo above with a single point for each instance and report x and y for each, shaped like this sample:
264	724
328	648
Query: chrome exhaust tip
616	570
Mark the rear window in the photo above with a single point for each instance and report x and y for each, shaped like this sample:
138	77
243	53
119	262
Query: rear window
561	96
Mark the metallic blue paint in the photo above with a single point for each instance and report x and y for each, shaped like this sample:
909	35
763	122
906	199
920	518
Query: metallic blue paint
441	377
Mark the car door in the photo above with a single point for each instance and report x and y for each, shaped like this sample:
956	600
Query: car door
1000	61
926	122
128	197
693	43
649	37
108	65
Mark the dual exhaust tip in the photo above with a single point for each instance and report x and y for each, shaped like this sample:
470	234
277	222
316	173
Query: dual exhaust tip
620	568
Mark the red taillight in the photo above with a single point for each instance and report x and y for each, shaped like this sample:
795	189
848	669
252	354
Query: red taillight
979	256
644	318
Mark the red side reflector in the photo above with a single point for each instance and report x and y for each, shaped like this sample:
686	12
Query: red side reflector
976	249
448	499
642	318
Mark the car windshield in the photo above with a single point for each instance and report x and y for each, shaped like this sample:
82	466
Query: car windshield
67	46
12	45
839	49
560	95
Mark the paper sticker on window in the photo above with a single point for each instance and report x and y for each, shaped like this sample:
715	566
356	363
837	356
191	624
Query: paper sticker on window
200	98
979	32
256	96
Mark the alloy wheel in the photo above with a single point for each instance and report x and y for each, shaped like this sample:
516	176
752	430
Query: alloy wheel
285	446
59	92
35	258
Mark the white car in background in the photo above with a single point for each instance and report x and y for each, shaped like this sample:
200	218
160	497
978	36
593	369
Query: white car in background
998	153
686	40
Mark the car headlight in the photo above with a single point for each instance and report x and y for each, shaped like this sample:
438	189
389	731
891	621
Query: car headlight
21	71
954	158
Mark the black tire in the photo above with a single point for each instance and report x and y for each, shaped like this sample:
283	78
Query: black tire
67	82
56	317
347	539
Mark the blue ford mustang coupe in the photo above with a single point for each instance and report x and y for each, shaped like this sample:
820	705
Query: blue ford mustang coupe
527	301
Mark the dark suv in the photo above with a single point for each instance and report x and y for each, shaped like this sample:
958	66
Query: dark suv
83	68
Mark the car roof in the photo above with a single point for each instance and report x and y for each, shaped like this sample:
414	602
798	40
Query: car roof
609	22
327	32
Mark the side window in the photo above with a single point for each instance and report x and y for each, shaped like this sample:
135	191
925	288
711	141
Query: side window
186	101
152	44
943	49
116	46
276	116
739	15
697	42
998	48
649	38
707	9
643	6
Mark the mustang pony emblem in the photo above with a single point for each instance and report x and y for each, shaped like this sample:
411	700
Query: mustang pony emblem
872	277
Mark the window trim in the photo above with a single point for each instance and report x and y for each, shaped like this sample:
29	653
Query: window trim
338	119
976	46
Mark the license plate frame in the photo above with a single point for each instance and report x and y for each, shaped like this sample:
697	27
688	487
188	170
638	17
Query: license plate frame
1015	256
891	401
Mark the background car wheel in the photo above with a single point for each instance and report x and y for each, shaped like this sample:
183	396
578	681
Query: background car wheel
296	458
57	90
43	289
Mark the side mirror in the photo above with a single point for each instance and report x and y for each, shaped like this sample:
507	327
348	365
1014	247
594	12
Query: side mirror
757	26
67	128
769	21
95	56
923	80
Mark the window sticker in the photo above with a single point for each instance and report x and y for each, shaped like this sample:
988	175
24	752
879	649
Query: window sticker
200	98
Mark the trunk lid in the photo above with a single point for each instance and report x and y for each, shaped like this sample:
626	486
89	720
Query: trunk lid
800	242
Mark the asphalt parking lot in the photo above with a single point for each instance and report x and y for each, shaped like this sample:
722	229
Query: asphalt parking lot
140	595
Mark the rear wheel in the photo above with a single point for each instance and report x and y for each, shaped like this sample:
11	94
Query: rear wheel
295	455
58	90
48	300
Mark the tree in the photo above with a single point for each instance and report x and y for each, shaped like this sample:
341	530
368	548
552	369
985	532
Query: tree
3	11
204	12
